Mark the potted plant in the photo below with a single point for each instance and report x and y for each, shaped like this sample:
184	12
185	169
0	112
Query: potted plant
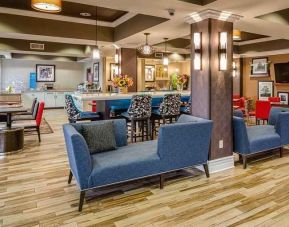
181	80
122	83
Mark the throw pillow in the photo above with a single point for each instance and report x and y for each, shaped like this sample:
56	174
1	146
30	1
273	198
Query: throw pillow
99	137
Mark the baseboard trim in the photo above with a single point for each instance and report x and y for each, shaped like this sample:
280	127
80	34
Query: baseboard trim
221	164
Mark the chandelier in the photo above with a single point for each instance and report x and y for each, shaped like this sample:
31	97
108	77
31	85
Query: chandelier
48	6
236	35
146	49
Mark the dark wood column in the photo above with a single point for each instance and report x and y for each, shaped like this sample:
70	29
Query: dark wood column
128	65
211	87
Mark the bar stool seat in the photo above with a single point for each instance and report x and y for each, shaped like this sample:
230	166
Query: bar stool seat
169	110
138	115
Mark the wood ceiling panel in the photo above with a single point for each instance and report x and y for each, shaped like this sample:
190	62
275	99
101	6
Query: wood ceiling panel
281	16
247	36
71	9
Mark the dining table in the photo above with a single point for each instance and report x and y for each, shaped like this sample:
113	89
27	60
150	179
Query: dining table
11	138
9	111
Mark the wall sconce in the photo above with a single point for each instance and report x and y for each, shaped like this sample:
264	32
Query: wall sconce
234	69
198	50
223	41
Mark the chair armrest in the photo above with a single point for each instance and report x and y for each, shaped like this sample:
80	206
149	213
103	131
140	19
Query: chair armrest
184	144
282	127
241	140
78	154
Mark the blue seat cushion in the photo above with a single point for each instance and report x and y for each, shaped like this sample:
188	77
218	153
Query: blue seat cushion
262	138
88	115
126	163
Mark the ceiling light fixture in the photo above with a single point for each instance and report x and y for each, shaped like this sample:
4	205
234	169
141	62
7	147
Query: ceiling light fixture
166	59
48	6
236	35
146	49
95	55
85	14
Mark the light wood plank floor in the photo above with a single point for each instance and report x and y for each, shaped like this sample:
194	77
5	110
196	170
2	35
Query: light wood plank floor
34	192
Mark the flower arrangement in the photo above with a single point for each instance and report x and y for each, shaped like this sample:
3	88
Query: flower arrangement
182	79
121	81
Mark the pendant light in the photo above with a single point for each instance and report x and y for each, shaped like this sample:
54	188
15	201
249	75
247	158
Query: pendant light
236	35
146	49
166	59
48	6
95	55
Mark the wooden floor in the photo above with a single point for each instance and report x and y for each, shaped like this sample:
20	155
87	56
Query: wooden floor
34	192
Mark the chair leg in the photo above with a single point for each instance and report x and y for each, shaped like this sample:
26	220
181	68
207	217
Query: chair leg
70	177
147	129
131	130
240	158
81	200
244	161
281	152
153	129
38	132
162	181
206	168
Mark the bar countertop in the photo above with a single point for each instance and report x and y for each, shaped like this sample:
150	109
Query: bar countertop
117	96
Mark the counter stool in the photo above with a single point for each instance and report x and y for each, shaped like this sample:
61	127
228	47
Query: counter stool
169	110
187	108
139	114
74	114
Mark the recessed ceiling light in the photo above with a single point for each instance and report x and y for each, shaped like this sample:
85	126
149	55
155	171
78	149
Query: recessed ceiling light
85	14
49	6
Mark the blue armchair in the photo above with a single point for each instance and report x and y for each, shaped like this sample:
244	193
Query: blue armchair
256	139
138	160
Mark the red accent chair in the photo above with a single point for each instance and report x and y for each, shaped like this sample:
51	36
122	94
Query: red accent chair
274	99
262	111
33	124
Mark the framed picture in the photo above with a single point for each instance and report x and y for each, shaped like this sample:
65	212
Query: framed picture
260	67
265	89
113	70
96	72
283	97
45	73
149	73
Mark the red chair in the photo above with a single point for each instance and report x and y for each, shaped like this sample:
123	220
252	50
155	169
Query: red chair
274	99
33	124
262	111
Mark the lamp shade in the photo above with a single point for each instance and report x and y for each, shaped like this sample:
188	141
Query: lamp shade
48	6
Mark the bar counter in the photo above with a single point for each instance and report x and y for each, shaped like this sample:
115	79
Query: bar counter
116	96
103	101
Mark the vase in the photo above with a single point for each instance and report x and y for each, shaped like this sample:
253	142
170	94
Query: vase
180	87
122	90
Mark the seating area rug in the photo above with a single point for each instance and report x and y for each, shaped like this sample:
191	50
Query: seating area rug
45	128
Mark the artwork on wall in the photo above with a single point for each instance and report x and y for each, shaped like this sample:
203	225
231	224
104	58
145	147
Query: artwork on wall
149	73
96	72
113	70
260	67
160	71
45	73
89	75
265	90
283	97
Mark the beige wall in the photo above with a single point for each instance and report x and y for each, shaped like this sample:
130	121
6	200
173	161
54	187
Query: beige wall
250	84
68	74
